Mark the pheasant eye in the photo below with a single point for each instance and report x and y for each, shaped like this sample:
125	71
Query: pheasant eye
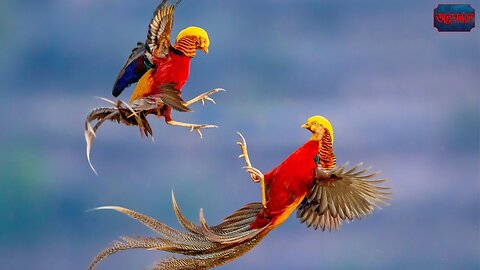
315	123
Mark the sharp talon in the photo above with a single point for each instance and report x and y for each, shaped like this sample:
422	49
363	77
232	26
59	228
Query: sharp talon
240	156
241	136
210	99
204	96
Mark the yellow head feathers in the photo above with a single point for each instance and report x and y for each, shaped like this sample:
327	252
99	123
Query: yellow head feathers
316	121
203	40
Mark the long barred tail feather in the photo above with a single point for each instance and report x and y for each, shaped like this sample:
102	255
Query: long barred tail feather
337	195
209	260
203	246
124	244
240	220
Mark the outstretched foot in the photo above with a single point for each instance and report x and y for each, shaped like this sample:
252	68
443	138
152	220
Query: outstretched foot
255	174
203	97
243	148
192	127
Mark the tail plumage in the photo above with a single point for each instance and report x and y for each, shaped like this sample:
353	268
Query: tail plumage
135	114
204	246
336	195
120	112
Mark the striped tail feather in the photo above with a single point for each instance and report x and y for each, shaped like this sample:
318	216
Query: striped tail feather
211	260
120	112
204	246
134	114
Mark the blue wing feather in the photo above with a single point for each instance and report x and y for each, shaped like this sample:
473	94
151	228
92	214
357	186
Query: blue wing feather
137	64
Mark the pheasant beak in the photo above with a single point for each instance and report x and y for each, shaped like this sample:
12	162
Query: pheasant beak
306	126
205	49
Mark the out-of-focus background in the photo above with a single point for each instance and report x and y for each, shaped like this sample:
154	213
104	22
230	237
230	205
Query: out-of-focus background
401	96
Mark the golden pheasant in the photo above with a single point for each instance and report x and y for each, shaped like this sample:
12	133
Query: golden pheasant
307	180
161	70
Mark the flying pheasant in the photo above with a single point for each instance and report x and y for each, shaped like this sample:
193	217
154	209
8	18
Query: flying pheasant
161	69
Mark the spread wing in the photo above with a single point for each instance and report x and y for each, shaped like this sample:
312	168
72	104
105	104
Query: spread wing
160	28
141	58
339	194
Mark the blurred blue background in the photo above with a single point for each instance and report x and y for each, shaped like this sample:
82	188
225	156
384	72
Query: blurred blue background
401	97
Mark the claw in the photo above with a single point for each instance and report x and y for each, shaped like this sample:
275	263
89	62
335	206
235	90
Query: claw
209	99
203	97
255	174
243	142
199	133
243	148
192	127
198	128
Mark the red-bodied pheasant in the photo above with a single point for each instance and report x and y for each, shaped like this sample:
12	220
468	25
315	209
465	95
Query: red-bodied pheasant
307	181
161	69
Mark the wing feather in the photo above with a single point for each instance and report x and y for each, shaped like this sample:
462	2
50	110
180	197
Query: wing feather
159	31
133	69
157	44
342	194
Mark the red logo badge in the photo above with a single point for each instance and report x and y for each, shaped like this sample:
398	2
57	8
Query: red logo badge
454	18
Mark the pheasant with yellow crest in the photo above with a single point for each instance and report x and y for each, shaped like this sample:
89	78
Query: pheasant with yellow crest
160	70
307	181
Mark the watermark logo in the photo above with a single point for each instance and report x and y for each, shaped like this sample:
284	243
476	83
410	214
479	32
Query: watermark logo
454	18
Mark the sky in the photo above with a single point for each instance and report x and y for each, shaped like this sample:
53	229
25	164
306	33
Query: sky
401	97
